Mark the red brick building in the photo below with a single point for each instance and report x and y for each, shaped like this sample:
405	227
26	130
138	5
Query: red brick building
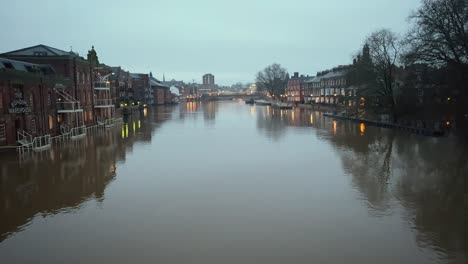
295	91
162	94
75	94
27	100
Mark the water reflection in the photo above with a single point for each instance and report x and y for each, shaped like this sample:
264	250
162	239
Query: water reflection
65	177
392	170
184	198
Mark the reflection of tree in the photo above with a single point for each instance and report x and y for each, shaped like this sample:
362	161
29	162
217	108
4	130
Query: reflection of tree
434	189
426	175
369	160
271	122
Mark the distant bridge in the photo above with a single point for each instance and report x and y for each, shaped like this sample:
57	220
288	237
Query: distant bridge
223	97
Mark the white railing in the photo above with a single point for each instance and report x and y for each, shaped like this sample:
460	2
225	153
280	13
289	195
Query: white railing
101	85
68	103
24	137
41	142
68	106
78	131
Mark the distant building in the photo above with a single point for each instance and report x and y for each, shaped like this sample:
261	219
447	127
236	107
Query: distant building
295	91
208	85
330	87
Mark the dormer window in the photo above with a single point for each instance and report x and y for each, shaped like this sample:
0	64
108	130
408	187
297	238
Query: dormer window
40	53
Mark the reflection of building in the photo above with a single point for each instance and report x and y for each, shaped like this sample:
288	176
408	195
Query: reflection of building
26	100
72	174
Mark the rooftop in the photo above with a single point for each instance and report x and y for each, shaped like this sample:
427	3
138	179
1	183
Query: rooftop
40	50
7	64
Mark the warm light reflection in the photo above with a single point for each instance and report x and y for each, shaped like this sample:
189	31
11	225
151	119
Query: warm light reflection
145	112
139	124
123	131
134	127
126	130
252	110
334	127
363	129
292	115
282	112
311	119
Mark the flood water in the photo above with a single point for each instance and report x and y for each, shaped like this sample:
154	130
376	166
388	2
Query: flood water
232	183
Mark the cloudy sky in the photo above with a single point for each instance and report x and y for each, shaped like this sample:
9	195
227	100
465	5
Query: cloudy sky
185	39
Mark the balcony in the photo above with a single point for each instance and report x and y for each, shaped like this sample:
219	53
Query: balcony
103	103
67	103
102	86
68	107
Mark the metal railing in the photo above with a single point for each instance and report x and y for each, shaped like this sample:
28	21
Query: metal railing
101	85
24	137
78	131
68	103
41	142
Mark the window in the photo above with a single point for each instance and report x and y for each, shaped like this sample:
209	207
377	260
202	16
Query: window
8	65
31	101
40	53
33	126
2	132
51	122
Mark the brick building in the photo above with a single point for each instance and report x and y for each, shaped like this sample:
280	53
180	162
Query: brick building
27	100
295	90
331	87
75	94
143	93
162	94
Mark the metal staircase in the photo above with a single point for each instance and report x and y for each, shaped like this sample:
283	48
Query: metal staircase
69	103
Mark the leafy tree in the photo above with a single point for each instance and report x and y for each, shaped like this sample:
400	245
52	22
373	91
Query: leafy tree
273	79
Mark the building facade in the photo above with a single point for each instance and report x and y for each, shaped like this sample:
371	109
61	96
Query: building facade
295	90
75	94
27	100
208	85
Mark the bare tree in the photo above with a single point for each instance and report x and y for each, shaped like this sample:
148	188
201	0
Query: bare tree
439	37
273	79
440	33
374	71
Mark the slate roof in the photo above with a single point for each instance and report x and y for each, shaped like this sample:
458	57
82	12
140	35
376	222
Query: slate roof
7	64
41	49
314	79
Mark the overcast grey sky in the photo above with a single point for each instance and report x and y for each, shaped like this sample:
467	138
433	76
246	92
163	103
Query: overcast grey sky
185	39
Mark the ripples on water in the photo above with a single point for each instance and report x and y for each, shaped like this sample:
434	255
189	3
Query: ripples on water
232	183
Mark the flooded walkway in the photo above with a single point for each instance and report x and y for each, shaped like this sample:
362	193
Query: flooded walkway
231	183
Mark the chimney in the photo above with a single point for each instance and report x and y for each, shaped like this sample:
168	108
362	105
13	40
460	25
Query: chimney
296	74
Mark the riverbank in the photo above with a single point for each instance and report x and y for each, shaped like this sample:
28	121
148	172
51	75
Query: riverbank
414	130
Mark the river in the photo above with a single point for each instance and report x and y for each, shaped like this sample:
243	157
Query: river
225	182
